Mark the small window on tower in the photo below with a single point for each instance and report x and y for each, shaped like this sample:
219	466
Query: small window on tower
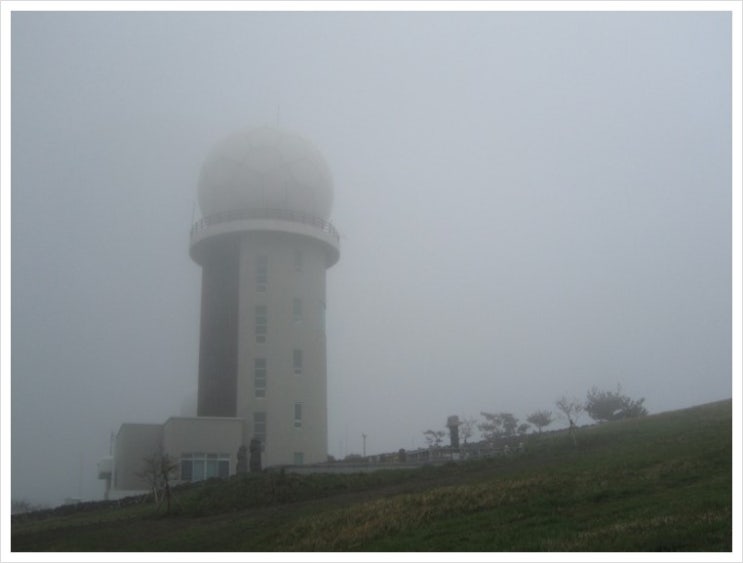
298	260
261	273
259	428
297	415
297	309
261	323
260	377
297	362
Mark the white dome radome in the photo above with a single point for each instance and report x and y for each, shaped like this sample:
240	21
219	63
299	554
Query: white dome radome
265	168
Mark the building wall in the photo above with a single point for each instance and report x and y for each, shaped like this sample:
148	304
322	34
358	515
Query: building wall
134	443
208	435
218	332
295	270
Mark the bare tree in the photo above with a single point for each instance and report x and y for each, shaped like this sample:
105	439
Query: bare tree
571	408
467	428
434	437
157	471
540	419
150	474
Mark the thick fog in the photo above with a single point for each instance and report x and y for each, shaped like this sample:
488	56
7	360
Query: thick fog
530	204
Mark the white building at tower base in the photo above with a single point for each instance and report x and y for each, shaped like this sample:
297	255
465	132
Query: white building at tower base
203	447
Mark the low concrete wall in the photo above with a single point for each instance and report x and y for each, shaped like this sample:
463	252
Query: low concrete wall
341	468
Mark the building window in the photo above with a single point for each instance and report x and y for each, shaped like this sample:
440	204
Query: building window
186	468
259	428
298	458
261	273
298	260
297	415
297	309
259	372
297	362
261	323
199	466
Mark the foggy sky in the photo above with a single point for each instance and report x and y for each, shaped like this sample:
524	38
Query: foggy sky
530	204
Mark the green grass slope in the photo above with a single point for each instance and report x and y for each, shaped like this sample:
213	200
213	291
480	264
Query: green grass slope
659	483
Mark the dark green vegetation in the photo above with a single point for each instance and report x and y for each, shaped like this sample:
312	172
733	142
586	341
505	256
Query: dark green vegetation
656	483
604	406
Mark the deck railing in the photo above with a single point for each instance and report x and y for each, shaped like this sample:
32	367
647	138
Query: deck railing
275	214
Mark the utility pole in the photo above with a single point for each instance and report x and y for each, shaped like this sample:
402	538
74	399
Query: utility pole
364	437
80	480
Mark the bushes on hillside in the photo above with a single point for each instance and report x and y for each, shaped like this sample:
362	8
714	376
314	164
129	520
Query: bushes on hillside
603	406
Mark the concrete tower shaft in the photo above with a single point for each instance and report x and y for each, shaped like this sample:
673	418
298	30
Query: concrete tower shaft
262	340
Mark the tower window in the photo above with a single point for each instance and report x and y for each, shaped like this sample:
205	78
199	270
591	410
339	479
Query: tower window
261	323
261	273
259	371
297	415
298	260
259	428
297	309
297	362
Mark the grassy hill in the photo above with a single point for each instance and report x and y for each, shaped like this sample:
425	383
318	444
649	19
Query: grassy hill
658	483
